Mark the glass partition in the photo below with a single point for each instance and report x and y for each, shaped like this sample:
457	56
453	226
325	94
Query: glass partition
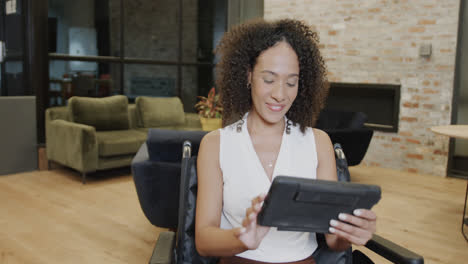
14	79
64	82
196	81
84	28
150	80
137	48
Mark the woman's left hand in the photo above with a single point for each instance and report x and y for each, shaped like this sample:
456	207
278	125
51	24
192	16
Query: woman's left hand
357	229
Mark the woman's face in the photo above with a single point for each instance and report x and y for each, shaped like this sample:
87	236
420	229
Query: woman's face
274	80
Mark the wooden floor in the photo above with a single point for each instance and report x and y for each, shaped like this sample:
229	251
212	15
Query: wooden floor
419	212
50	217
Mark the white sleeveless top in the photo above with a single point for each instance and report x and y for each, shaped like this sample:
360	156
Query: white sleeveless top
244	178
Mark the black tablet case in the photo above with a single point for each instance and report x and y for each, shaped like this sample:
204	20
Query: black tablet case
307	205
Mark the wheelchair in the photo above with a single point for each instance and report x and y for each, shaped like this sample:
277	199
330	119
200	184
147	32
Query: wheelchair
179	247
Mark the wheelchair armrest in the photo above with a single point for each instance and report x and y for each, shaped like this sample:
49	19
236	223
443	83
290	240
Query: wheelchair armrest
393	252
163	252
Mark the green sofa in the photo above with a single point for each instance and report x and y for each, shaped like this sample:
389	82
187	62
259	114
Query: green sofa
91	134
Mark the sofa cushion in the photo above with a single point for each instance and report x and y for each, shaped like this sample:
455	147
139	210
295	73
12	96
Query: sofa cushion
160	111
109	113
132	116
119	142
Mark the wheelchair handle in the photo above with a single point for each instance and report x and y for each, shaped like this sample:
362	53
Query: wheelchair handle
187	149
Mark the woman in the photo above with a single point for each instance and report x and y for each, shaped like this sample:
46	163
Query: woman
273	85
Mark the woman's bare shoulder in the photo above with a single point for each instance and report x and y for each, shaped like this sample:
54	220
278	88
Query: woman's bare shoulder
211	139
209	145
320	135
322	140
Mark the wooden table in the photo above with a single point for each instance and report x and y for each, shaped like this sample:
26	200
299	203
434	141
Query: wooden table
456	131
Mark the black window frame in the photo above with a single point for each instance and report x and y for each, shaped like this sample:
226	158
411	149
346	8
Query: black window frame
123	60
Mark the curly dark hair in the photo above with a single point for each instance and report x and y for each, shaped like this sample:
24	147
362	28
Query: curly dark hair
239	49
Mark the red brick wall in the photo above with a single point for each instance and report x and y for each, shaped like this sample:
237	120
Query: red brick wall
378	41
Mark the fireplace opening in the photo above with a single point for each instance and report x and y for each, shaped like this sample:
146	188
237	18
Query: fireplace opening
380	102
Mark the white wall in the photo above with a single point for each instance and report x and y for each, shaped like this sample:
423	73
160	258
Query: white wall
18	138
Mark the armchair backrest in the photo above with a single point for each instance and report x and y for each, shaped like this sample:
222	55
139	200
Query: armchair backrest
347	128
159	111
107	113
156	172
354	141
337	119
164	145
63	113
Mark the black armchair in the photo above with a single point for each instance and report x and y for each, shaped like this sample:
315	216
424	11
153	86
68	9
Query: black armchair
347	129
167	252
156	172
156	166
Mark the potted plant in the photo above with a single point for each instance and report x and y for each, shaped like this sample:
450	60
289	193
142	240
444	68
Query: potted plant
210	111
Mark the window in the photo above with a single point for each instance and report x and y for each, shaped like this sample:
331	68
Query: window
147	47
12	36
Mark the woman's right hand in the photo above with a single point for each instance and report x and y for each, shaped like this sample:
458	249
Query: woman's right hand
252	234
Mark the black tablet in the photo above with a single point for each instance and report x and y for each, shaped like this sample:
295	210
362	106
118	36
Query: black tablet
307	205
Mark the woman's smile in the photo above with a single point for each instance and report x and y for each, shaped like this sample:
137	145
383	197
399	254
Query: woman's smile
275	107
